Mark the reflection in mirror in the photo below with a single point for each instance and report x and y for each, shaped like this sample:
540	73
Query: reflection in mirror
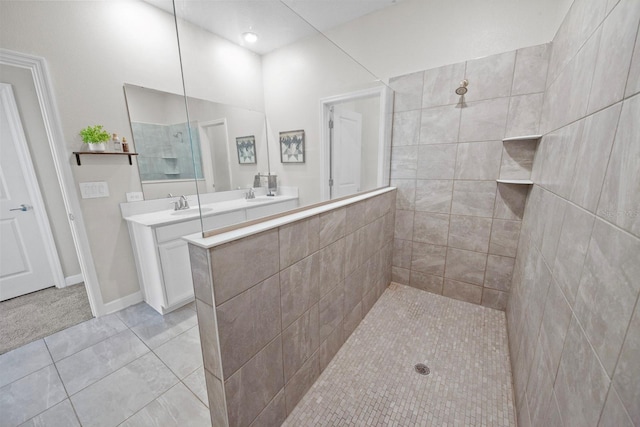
228	143
302	81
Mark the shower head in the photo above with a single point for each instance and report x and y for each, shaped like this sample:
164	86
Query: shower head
463	87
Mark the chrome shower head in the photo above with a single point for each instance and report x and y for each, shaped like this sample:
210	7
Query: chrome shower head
463	88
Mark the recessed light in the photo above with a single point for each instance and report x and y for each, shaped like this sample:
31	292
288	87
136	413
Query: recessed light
250	37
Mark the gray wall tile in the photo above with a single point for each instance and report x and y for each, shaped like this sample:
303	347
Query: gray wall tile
530	73
436	161
462	291
427	258
465	266
332	226
581	385
426	282
406	128
433	196
608	290
620	199
494	299
524	115
408	91
402	253
469	232
474	198
504	237
510	201
404	161
484	120
295	389
440	84
627	371
478	160
490	77
431	228
299	288
298	240
250	389
439	125
406	193
593	155
614	58
633	82
331	266
614	414
499	272
238	265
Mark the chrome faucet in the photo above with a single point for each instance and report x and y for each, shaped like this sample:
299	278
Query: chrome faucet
250	194
180	204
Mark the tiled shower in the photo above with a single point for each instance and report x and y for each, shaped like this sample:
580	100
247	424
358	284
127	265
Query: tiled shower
560	255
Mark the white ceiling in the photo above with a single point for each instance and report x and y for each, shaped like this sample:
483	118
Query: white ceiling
274	21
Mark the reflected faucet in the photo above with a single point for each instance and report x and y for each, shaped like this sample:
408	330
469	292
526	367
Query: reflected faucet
180	204
250	194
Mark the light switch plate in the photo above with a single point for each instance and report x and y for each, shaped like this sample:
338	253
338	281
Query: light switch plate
94	190
135	196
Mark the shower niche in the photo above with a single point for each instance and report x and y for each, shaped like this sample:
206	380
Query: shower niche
517	159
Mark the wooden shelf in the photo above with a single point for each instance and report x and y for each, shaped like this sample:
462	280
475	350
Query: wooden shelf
523	138
112	153
515	181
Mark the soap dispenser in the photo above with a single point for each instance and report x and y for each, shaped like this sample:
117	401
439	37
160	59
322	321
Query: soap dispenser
117	146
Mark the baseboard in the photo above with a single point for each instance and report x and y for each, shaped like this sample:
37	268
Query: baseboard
124	302
73	280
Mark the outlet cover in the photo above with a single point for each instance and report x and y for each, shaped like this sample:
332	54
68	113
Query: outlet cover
135	196
94	190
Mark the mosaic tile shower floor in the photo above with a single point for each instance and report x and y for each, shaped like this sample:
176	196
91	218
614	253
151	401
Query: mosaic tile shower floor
372	381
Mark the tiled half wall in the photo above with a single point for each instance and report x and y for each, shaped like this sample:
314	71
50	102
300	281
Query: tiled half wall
275	307
457	229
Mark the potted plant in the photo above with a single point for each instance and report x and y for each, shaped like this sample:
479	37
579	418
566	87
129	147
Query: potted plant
96	137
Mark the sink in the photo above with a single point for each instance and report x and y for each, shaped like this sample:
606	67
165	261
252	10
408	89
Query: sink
191	211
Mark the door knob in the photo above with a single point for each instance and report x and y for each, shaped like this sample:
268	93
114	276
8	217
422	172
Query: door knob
22	208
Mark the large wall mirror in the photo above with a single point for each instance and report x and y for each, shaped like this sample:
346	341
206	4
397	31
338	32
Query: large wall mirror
305	112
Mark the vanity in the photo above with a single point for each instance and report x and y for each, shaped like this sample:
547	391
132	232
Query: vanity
156	231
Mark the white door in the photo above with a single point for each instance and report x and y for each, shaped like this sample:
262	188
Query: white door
24	265
346	152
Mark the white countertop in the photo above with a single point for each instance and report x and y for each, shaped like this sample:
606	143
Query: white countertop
219	239
170	216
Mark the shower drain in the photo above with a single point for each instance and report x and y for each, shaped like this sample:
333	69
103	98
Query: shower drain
422	369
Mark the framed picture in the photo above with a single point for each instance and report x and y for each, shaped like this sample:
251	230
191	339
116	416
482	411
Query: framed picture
246	146
292	146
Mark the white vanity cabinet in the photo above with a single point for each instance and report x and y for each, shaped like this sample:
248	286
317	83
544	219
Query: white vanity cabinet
162	256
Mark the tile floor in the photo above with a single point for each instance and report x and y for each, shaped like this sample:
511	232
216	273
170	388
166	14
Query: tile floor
131	368
137	368
372	382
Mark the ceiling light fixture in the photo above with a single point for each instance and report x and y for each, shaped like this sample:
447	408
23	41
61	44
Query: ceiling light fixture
250	37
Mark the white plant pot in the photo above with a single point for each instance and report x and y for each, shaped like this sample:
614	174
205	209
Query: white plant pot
98	148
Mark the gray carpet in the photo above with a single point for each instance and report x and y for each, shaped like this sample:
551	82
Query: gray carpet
39	314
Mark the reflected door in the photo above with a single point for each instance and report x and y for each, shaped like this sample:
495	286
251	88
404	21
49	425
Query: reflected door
346	152
23	259
217	141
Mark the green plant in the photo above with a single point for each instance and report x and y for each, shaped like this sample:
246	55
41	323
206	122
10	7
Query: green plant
94	134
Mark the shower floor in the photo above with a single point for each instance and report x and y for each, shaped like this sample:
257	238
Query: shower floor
372	380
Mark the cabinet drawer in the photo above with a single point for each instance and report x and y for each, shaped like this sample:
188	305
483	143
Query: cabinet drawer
262	211
175	231
224	219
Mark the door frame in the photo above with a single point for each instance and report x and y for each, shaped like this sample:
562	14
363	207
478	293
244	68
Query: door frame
384	133
8	102
62	164
205	148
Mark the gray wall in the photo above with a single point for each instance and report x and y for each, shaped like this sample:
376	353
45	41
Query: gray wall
573	317
275	307
456	228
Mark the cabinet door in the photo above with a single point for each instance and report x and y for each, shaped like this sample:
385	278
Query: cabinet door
176	271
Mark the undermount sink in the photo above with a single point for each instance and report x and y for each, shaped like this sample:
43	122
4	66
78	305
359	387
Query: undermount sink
191	211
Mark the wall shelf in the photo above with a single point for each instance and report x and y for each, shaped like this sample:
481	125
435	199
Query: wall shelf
515	181
112	153
523	138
